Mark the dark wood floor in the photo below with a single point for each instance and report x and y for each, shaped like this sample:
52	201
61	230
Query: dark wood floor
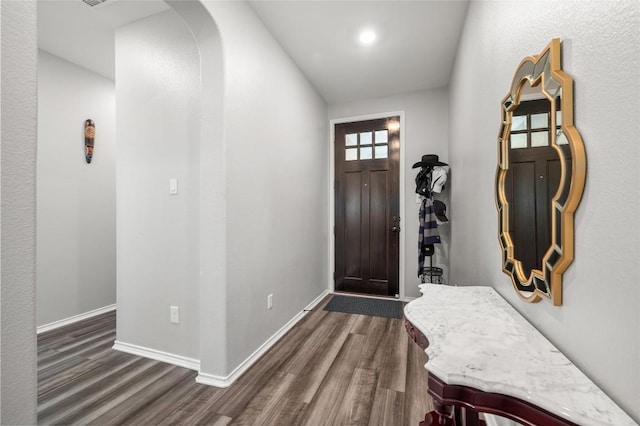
330	369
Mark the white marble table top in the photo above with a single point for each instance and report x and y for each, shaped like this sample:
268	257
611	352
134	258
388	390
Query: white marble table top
477	339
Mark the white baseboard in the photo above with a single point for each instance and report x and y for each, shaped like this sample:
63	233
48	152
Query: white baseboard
180	361
223	382
194	364
74	319
213	380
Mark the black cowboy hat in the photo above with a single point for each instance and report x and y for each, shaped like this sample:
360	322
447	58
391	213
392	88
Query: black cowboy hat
429	160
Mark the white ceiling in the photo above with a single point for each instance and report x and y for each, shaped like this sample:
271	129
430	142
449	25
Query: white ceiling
415	48
83	34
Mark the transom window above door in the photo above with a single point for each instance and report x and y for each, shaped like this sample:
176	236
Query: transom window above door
366	145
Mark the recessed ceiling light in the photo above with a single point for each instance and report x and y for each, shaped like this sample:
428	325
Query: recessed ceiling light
367	37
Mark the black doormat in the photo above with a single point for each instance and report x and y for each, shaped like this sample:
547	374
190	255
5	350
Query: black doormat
365	306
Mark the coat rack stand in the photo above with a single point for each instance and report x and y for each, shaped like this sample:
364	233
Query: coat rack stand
430	274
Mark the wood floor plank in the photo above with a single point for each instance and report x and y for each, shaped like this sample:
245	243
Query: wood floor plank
417	402
79	379
145	396
101	321
325	406
330	327
117	395
86	339
357	403
212	419
233	401
77	398
88	349
267	401
60	367
290	413
361	324
309	378
393	370
315	316
388	408
193	407
165	405
375	329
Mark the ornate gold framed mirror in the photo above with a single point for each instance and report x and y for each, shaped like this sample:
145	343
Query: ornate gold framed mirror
540	176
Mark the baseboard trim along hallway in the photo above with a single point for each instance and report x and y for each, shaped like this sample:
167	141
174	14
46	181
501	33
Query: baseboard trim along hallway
194	364
180	361
74	319
223	382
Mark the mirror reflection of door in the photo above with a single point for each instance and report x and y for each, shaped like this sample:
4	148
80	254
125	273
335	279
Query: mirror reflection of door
531	182
367	203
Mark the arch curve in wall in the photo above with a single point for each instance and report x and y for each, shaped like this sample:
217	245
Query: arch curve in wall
212	285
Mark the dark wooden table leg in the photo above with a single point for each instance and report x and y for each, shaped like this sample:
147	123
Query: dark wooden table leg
441	416
467	417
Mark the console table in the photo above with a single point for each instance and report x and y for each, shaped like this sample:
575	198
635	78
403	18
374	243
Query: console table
483	356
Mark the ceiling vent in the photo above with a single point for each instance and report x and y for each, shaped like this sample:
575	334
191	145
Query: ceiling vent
93	3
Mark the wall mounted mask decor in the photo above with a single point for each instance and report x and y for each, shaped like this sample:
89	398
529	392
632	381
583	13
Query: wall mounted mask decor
89	139
540	176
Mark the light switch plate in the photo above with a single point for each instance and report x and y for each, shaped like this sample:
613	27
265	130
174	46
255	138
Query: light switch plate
173	186
174	314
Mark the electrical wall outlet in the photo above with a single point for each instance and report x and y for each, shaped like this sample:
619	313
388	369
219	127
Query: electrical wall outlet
174	314
270	301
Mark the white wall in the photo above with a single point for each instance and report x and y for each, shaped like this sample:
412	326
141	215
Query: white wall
158	138
18	56
275	128
426	132
272	165
76	217
598	326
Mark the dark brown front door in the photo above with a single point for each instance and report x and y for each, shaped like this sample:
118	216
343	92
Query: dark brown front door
367	206
531	182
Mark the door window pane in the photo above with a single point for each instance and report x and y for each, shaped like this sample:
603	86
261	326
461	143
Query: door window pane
559	118
540	139
382	151
540	121
366	153
519	122
382	136
351	154
366	138
351	139
519	141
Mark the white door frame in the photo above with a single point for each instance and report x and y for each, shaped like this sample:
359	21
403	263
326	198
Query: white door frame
332	170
